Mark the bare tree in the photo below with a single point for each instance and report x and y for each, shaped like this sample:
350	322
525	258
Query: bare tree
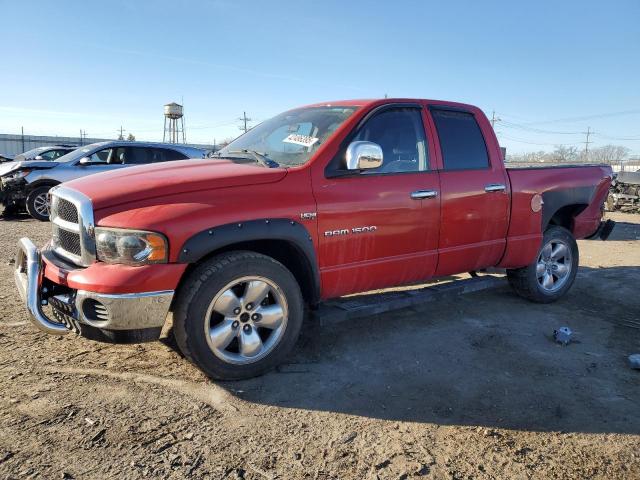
131	137
609	154
564	154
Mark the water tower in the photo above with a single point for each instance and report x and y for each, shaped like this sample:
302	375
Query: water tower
173	123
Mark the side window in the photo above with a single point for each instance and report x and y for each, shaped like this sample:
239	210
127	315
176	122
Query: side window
166	155
50	155
400	134
137	155
118	156
461	140
101	156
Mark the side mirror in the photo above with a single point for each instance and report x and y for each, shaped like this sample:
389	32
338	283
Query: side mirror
85	161
363	155
38	157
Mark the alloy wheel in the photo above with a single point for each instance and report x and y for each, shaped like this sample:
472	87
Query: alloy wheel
554	265
41	204
246	319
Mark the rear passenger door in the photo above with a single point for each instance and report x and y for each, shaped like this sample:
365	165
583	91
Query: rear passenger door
475	200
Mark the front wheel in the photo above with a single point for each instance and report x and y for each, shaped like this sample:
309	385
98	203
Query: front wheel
238	315
38	203
553	272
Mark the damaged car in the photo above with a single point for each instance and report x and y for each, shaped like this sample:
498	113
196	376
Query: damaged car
624	194
25	185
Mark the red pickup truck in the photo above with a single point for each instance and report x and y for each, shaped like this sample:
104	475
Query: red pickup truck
315	203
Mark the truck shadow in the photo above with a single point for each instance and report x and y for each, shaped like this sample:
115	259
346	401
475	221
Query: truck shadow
625	231
484	359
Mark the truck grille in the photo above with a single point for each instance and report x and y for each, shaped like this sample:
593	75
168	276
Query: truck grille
72	224
68	241
67	211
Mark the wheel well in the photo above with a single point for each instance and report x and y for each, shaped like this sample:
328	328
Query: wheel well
564	216
44	183
284	252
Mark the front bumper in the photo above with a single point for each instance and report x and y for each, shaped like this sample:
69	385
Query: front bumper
76	310
13	193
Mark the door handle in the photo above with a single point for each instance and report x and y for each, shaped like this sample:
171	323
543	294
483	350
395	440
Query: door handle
419	194
495	187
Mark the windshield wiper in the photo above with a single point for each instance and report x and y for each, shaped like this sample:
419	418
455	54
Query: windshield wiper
261	158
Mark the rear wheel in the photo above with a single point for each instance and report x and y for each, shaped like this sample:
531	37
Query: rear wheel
238	315
553	271
38	203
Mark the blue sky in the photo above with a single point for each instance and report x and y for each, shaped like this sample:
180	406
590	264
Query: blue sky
98	65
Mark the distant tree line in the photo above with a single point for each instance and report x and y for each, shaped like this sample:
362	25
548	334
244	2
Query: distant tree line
609	154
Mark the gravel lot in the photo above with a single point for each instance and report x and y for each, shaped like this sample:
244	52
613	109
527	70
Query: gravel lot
470	388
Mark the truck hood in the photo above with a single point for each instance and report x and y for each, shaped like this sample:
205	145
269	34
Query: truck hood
9	167
134	184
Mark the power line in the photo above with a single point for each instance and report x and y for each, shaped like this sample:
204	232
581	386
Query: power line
578	119
526	128
519	140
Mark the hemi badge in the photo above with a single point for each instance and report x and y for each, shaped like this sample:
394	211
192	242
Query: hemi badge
308	215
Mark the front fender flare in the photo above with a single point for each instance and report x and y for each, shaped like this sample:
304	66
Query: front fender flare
215	238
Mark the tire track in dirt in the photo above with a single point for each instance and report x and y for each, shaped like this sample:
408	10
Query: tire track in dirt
211	394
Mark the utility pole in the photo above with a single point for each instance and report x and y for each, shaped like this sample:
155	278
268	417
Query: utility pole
121	137
587	142
22	139
244	119
494	119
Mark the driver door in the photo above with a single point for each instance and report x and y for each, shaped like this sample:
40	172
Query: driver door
380	227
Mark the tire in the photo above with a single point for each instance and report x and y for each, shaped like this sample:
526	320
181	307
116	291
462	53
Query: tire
554	270
216	323
35	206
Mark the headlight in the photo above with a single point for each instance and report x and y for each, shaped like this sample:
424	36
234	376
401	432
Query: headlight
131	247
12	176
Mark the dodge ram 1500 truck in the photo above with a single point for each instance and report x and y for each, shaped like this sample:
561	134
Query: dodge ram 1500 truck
315	203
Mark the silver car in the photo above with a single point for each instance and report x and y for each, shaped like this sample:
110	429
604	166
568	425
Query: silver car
25	184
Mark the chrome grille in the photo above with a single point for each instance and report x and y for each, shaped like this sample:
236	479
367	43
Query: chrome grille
67	211
68	241
72	224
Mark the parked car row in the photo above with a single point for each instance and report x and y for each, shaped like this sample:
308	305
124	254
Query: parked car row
26	181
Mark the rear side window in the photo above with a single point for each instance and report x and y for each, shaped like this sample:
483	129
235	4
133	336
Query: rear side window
461	140
166	155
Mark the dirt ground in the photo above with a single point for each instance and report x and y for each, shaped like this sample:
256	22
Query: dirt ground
469	388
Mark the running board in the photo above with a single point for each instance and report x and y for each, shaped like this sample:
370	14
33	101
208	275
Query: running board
349	308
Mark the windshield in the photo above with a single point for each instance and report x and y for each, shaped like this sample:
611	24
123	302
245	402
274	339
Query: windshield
290	138
78	153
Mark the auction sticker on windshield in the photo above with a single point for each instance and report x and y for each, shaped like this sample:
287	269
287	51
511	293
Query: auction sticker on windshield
304	140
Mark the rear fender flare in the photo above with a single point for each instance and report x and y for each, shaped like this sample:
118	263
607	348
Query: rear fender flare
555	200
